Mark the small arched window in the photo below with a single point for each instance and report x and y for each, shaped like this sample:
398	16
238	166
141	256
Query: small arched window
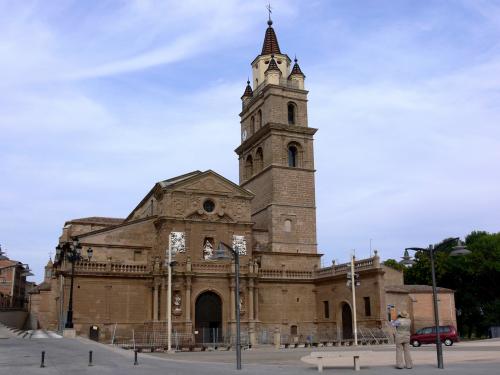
259	160
259	119
293	330
292	156
291	114
249	167
288	225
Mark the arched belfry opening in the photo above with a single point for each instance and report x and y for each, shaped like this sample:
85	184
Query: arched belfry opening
347	333
292	156
249	167
208	318
291	113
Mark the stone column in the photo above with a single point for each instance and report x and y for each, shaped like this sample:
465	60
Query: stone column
232	302
164	293
155	302
232	307
251	328
187	302
256	304
250	300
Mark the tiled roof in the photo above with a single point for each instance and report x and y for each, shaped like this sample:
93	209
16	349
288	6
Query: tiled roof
296	70
415	289
173	180
270	41
248	90
97	220
273	65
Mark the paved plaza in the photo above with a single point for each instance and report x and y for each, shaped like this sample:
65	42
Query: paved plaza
70	356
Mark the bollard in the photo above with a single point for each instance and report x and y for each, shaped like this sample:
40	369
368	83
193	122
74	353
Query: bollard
43	359
90	357
135	358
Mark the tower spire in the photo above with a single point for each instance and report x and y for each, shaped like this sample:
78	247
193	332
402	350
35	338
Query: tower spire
270	44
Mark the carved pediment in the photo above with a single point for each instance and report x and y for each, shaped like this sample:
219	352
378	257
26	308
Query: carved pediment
212	183
202	216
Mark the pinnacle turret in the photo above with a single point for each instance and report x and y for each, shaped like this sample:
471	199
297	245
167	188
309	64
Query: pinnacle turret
296	70
248	91
273	65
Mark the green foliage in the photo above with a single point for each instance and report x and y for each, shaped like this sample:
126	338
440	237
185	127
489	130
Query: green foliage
394	264
474	277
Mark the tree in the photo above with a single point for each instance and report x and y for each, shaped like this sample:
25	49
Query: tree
474	278
394	264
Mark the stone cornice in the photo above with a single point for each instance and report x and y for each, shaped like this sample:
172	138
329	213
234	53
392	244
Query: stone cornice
273	127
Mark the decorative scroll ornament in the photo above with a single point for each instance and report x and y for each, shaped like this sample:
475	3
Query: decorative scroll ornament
177	242
208	250
240	244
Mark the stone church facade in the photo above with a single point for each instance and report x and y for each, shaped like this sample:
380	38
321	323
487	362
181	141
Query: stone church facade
269	218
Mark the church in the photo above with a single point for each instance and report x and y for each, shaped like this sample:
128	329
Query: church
269	218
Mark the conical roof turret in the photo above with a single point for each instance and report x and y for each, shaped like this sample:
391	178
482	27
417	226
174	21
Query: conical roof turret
270	45
248	91
296	70
273	65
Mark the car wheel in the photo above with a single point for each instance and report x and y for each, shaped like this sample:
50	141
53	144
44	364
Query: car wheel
448	342
415	343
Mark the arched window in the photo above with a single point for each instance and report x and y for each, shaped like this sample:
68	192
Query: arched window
249	167
292	156
259	160
252	125
259	118
293	330
288	225
291	114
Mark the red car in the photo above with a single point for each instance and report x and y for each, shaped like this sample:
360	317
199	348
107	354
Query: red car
427	335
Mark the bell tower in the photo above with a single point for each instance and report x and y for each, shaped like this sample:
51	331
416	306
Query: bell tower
276	157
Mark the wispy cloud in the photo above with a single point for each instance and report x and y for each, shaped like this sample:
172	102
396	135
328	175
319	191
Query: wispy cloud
98	100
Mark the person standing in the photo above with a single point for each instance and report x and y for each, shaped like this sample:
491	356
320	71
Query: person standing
402	339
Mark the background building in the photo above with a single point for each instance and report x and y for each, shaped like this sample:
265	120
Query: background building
12	282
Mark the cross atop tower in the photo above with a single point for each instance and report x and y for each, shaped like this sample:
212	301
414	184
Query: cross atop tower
268	7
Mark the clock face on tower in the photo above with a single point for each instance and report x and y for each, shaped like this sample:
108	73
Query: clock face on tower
244	134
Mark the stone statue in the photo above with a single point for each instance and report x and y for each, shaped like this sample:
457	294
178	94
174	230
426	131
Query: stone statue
208	250
177	310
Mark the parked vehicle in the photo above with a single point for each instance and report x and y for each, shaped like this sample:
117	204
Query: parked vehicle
427	335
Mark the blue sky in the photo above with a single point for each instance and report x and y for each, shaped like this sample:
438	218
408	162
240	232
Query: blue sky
101	99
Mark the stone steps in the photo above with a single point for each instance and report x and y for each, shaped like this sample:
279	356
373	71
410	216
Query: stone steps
30	334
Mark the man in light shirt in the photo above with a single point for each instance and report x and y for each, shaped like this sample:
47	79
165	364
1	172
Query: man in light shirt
402	339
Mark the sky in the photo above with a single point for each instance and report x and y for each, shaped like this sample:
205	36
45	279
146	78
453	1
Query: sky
101	99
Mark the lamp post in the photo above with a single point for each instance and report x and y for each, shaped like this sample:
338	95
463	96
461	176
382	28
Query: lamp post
72	252
169	264
457	251
353	282
220	254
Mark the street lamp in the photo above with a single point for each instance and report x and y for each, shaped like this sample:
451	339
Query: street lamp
170	263
72	252
458	250
353	282
221	254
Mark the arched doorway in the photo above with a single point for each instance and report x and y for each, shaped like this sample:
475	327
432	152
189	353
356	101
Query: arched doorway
346	322
208	318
